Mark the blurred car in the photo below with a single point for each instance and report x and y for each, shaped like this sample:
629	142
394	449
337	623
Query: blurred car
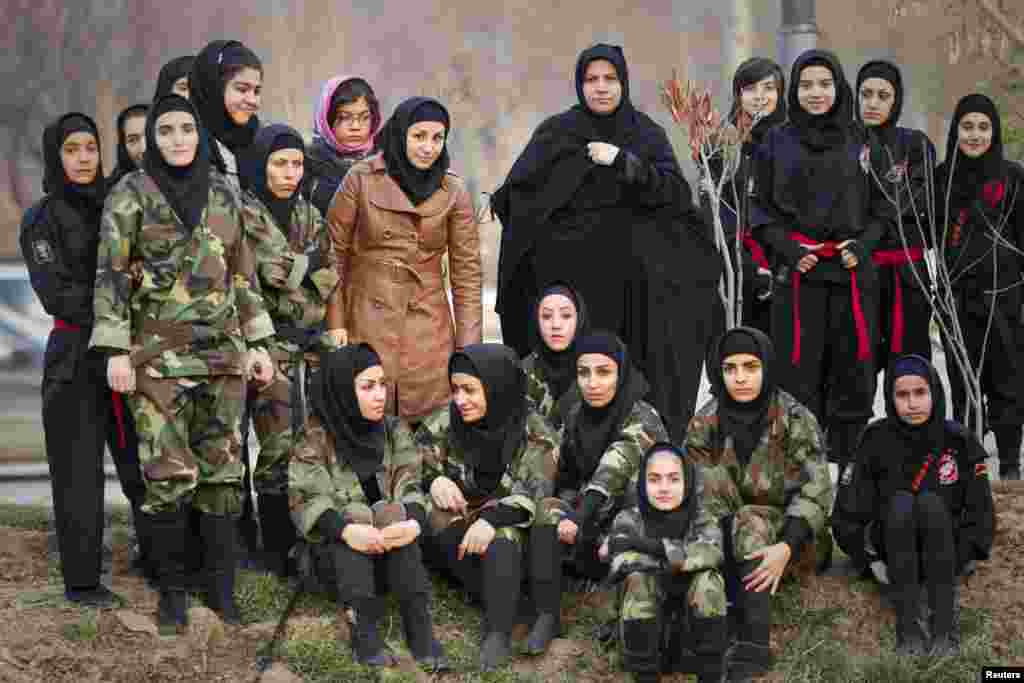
24	324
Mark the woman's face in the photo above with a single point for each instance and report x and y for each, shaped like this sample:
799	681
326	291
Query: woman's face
80	156
243	94
177	137
665	484
816	90
180	87
744	376
284	172
602	88
974	134
877	97
557	319
135	137
913	399
762	96
598	377
352	122
469	397
372	393
423	143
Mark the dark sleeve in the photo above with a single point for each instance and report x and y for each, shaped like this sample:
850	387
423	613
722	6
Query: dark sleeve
658	182
620	543
592	503
856	503
49	272
567	478
417	512
502	515
767	224
977	519
795	533
330	525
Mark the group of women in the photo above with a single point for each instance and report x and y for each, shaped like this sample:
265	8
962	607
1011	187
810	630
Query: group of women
230	275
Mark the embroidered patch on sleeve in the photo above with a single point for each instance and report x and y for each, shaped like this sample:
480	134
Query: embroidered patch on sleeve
947	469
847	477
981	469
42	251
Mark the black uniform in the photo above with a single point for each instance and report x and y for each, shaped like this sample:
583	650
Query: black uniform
921	496
987	191
810	188
59	238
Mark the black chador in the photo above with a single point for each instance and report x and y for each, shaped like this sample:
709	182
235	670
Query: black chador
811	189
902	161
625	236
986	195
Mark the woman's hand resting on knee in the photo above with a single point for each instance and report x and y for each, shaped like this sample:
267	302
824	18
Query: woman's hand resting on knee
774	559
364	538
400	534
477	539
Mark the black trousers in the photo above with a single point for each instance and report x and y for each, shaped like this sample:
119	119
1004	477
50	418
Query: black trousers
76	415
916	314
916	540
355	575
126	457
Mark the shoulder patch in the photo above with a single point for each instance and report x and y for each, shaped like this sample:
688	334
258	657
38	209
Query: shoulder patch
948	472
42	251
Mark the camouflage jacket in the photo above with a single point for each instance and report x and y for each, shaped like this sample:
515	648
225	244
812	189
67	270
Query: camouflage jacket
319	481
540	397
700	548
297	269
154	276
616	473
787	469
527	479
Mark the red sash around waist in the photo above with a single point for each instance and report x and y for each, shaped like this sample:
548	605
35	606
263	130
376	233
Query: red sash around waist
897	257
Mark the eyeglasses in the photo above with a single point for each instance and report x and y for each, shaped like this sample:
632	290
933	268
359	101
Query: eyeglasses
348	119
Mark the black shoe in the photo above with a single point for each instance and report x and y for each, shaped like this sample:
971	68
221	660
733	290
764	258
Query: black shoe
218	534
417	625
749	659
172	612
437	661
496	651
278	533
545	629
99	596
170	536
368	648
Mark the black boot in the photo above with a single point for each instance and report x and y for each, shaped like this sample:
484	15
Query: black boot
1008	438
709	637
502	576
910	638
142	561
168	533
218	532
278	532
546	585
368	648
418	628
945	626
246	546
752	654
641	648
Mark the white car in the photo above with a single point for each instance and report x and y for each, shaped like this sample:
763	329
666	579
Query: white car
24	325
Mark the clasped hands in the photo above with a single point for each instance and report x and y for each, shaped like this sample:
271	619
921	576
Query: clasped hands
369	540
447	495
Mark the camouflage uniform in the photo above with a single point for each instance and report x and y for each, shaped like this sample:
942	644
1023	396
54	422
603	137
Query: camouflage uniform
297	273
528	478
677	596
787	476
540	398
184	304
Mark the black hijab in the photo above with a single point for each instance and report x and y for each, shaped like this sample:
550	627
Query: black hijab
179	67
744	422
971	175
616	126
125	165
831	129
490	444
417	185
748	73
187	188
332	395
596	428
559	367
887	71
673	523
206	84
56	183
252	170
924	438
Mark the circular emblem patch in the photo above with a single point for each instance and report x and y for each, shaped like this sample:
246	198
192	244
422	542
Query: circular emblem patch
948	473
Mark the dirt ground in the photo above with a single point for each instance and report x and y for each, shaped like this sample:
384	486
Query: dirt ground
43	638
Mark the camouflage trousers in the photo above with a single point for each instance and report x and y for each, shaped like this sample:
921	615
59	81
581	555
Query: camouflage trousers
757	526
644	595
190	444
271	410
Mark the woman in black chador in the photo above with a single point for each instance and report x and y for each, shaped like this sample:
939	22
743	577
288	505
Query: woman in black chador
986	193
917	499
597	200
811	209
173	78
902	161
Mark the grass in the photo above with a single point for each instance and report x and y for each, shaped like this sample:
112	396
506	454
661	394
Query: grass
84	630
40	517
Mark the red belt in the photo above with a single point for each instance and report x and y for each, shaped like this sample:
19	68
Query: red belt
897	257
828	250
115	397
756	251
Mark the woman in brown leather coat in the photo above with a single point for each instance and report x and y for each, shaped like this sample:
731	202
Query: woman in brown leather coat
391	222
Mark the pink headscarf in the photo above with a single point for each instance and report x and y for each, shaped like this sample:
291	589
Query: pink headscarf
322	127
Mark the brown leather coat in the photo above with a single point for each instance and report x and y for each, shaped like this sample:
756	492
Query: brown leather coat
393	293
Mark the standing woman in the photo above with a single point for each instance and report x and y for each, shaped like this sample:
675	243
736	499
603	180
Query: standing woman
758	89
767	480
177	304
59	238
392	221
296	267
345	128
173	77
487	460
226	84
131	142
355	485
550	370
597	200
603	444
902	161
811	208
986	193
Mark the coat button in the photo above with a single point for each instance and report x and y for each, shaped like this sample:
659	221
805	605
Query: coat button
387	234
